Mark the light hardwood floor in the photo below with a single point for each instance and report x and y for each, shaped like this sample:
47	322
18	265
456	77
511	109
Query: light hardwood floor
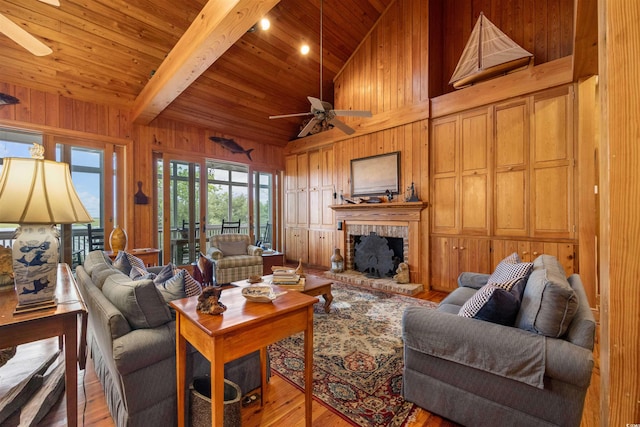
284	403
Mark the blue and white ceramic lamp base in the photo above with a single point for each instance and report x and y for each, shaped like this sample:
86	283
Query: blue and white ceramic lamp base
35	264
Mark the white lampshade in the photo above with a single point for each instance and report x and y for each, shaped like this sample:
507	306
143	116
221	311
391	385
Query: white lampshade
34	191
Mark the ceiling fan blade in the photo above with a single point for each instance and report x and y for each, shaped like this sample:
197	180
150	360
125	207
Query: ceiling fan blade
282	116
308	127
51	2
342	126
316	104
353	113
22	37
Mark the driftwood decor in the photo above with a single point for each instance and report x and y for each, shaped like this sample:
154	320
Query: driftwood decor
21	393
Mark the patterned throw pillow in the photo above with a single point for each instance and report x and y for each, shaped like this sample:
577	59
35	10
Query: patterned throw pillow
173	288
125	261
492	304
509	271
191	286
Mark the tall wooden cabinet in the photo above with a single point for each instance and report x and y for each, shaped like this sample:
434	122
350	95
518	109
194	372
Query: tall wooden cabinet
504	172
309	191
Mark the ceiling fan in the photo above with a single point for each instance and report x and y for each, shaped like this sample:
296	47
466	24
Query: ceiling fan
19	35
324	116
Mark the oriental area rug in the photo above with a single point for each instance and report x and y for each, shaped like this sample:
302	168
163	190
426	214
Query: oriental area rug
358	356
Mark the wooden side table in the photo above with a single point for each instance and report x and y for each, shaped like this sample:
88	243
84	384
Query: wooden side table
150	256
61	321
244	328
271	259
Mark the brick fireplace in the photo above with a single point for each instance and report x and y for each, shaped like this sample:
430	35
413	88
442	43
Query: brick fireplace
401	220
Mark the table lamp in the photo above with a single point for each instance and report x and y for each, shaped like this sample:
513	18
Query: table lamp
37	194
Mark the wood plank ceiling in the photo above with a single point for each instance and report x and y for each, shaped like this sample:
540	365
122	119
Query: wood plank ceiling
106	51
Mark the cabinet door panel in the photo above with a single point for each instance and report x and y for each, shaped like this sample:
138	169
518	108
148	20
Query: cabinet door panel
511	207
475	141
474	255
551	199
444	204
474	204
327	212
315	208
501	249
551	117
444	143
315	171
441	264
327	167
512	134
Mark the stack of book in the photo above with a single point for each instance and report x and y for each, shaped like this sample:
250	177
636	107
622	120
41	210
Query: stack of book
285	277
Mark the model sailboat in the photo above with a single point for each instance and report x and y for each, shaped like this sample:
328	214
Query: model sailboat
488	53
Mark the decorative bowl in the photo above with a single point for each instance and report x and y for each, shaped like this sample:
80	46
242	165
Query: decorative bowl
259	293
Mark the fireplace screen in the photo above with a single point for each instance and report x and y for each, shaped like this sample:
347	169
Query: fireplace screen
375	257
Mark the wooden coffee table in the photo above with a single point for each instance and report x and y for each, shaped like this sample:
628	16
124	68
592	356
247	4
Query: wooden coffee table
313	286
244	328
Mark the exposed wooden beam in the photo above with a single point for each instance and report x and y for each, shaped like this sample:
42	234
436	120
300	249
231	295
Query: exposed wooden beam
218	26
585	39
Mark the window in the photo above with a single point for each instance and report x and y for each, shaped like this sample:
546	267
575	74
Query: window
227	193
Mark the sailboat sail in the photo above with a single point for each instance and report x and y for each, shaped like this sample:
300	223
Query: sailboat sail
488	52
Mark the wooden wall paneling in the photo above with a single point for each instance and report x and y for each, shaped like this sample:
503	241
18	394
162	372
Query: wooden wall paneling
433	83
38	107
53	111
22	109
588	130
66	113
8	111
620	176
421	171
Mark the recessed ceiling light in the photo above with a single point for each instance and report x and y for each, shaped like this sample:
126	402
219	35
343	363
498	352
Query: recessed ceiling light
265	24
305	49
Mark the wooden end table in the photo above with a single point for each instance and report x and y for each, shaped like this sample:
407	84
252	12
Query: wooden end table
271	259
313	286
61	321
245	327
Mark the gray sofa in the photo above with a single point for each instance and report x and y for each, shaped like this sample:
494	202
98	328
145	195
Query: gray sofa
533	373
131	337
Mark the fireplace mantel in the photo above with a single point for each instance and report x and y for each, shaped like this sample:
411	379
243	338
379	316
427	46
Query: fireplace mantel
400	211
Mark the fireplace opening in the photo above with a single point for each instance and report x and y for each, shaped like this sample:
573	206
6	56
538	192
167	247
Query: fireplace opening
377	256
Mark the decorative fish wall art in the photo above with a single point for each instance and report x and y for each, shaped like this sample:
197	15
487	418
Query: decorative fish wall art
231	145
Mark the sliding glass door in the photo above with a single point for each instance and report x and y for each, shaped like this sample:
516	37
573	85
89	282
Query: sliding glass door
179	221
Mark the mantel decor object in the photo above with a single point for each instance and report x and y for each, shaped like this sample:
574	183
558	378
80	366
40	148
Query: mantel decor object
37	194
118	240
